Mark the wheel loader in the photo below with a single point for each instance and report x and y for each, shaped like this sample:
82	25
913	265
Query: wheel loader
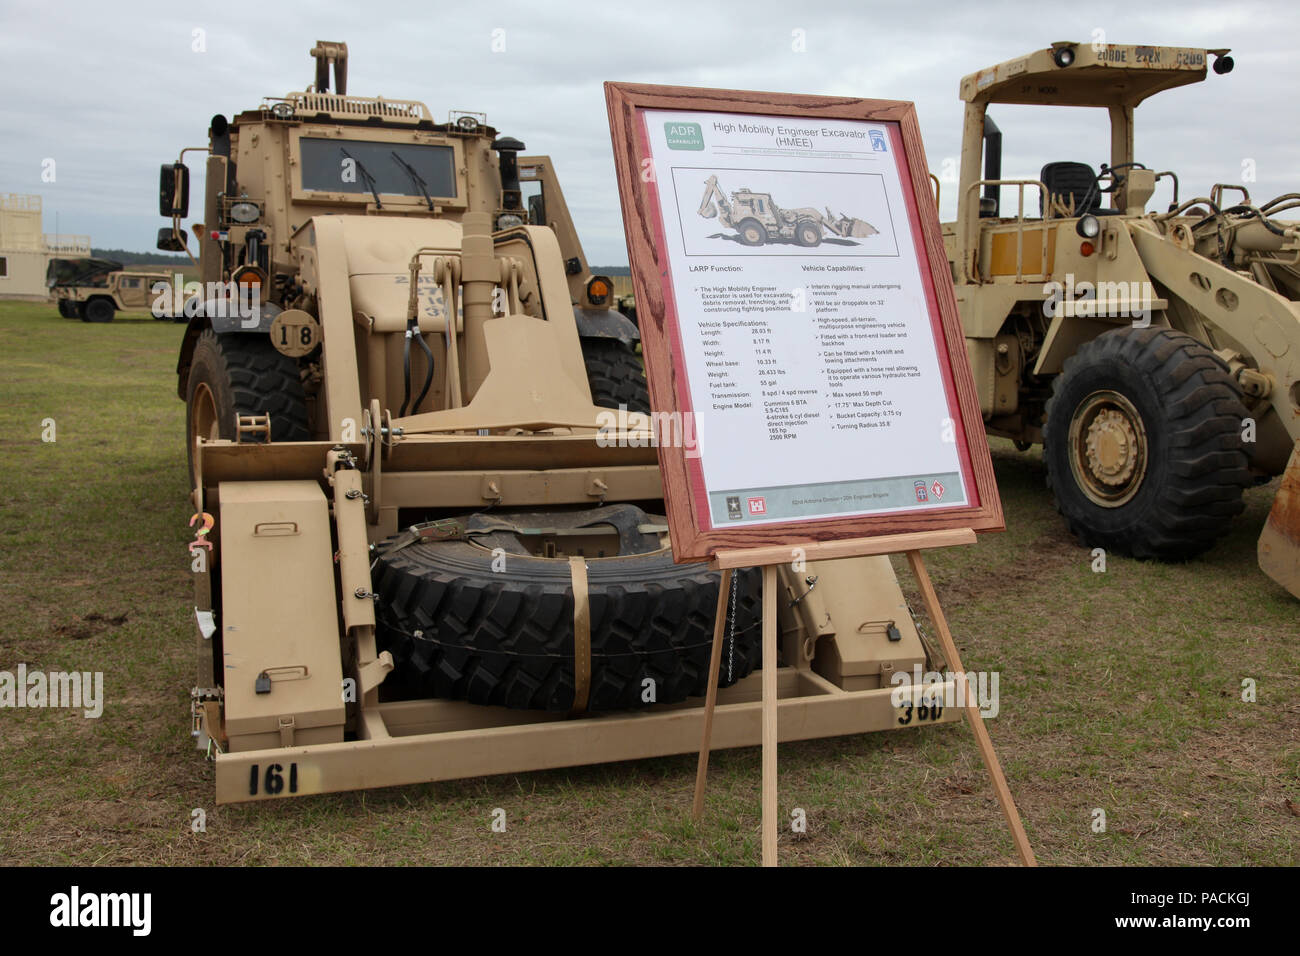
758	220
1153	352
420	552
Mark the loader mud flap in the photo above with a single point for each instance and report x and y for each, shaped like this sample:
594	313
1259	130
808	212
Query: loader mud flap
1279	542
478	618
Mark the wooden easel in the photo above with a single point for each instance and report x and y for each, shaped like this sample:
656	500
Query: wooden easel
768	558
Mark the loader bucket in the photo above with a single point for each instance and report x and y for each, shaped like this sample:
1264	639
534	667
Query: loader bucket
1279	542
859	229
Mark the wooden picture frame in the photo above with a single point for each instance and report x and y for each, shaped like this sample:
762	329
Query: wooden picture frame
693	521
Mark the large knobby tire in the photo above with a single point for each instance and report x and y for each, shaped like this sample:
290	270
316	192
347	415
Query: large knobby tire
1143	444
67	309
752	232
615	374
242	374
98	311
808	233
458	629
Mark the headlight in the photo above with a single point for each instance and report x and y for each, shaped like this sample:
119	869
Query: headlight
467	123
508	221
283	111
1088	226
245	212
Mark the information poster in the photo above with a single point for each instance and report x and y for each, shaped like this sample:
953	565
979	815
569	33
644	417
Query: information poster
789	296
815	376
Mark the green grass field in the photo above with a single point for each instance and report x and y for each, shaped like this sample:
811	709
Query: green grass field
1119	691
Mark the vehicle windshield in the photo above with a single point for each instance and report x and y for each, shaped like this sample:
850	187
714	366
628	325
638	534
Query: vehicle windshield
326	167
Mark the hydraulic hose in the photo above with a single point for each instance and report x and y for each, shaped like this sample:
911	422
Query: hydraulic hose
413	332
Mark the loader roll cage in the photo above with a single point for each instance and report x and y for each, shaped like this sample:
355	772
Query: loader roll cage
1112	77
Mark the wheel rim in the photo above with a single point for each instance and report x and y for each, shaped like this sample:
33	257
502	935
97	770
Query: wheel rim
751	235
1108	448
203	415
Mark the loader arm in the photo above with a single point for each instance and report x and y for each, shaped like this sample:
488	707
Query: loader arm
1268	326
712	195
1260	320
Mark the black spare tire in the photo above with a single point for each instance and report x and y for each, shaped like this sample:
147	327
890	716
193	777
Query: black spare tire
461	630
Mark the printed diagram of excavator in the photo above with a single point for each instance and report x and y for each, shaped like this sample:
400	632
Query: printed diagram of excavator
758	220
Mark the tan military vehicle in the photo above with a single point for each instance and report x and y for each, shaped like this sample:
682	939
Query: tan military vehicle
1154	352
427	545
757	219
94	290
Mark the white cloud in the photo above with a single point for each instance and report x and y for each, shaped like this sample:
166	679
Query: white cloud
112	92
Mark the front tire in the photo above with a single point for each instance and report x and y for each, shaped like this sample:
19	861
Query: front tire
752	232
615	374
1142	444
242	374
98	311
808	234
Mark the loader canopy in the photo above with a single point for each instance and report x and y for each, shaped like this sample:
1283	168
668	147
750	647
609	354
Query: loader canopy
1087	74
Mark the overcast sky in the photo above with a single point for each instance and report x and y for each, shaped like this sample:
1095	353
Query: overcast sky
110	91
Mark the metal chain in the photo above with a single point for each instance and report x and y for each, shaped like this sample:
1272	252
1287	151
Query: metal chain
731	640
938	659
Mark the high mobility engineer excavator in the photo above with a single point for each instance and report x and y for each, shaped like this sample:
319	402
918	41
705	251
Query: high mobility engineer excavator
758	220
422	554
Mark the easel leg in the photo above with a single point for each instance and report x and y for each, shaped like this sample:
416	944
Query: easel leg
711	696
769	715
972	711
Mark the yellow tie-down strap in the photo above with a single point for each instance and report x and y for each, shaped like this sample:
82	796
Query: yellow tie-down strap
581	635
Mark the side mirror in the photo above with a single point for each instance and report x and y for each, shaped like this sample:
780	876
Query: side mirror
174	190
168	241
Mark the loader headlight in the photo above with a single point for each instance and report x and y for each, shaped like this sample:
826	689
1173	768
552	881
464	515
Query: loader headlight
467	124
1063	56
508	221
1223	64
1089	227
244	212
282	111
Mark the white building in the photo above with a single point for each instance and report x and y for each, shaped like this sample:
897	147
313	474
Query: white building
25	250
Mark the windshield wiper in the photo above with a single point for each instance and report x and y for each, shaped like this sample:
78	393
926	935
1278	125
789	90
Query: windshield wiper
370	180
415	177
